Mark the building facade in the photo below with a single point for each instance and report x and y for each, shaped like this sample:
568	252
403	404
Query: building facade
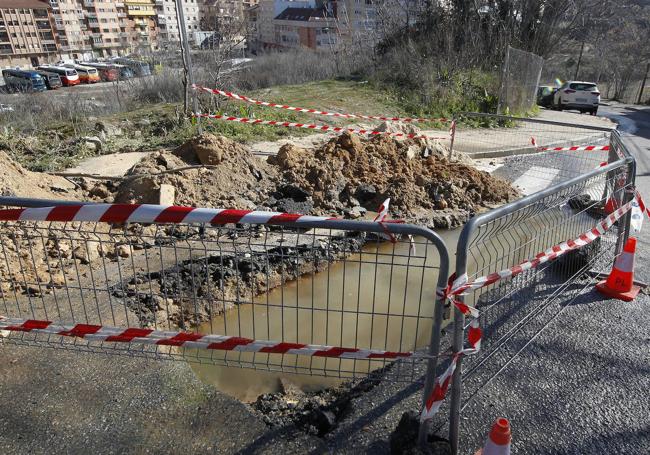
168	32
71	29
328	24
27	34
141	25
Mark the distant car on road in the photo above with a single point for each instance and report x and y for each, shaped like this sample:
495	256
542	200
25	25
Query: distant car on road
5	108
578	95
545	95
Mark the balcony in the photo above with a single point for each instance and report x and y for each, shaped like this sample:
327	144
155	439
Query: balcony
119	4
121	15
89	3
93	24
59	26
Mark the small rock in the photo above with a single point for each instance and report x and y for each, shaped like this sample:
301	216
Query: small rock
355	212
166	194
123	251
412	152
93	143
293	192
210	156
100	191
322	421
350	142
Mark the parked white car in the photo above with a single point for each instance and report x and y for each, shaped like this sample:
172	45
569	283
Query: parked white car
578	95
6	108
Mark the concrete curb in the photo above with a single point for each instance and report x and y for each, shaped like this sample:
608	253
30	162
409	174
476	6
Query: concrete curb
529	149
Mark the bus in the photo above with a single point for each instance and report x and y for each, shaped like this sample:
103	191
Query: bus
125	71
138	67
107	72
69	76
18	80
52	80
87	74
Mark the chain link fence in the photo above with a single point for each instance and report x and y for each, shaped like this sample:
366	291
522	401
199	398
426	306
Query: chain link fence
519	81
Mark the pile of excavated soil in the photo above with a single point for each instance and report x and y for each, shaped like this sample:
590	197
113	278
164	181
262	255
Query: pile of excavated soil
15	180
232	177
349	171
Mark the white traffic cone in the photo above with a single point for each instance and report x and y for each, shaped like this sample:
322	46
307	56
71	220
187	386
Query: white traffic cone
498	442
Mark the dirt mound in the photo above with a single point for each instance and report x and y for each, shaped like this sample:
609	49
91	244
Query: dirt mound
15	180
231	176
349	171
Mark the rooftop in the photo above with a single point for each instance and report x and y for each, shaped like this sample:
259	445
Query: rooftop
302	14
30	4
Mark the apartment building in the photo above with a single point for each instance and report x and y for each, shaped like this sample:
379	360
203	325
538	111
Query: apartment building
26	33
168	32
87	29
141	25
326	24
106	27
71	29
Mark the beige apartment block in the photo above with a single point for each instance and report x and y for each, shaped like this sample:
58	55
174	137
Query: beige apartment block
141	25
106	27
26	33
71	29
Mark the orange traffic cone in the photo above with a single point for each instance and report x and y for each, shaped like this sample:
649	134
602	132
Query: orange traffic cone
498	442
620	282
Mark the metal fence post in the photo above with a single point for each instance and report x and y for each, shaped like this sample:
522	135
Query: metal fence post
434	344
452	134
457	342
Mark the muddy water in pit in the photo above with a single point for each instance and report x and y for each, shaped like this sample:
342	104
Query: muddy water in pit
379	299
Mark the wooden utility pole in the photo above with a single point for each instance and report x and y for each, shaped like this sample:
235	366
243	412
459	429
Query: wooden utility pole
582	48
645	79
188	74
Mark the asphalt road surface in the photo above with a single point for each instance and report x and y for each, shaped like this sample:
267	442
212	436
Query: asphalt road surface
582	386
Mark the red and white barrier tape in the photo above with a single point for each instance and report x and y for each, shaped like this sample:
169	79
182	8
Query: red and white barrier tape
587	148
150	213
194	340
255	121
304	110
442	382
461	285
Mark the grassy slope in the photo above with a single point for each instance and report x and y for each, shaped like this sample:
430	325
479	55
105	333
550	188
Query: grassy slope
163	125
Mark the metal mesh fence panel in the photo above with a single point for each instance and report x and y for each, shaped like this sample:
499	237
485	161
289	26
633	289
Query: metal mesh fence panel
327	287
513	312
519	81
523	136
